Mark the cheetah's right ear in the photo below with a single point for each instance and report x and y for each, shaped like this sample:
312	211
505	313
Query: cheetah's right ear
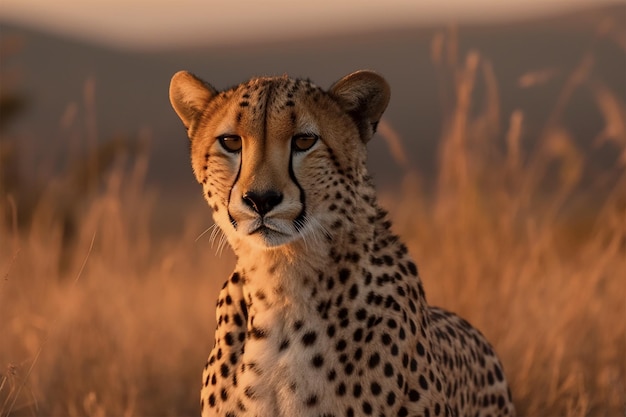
364	95
189	95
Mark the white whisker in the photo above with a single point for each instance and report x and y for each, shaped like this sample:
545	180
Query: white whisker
216	231
221	244
300	227
312	232
204	232
216	235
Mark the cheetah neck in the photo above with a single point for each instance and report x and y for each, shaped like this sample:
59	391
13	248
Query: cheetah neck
301	306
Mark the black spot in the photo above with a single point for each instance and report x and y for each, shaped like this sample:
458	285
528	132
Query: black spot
344	274
330	283
339	300
317	361
498	372
414	396
349	368
309	338
388	370
311	401
423	383
283	345
501	401
374	360
258	333
354	291
341	345
375	388
249	392
373	321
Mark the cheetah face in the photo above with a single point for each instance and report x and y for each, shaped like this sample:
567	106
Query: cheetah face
265	151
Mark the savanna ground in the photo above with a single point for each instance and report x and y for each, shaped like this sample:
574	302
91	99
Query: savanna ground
100	317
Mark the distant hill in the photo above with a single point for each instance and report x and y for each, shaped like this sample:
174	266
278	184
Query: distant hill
131	86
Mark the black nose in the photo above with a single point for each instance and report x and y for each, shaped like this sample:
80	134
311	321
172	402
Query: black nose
262	202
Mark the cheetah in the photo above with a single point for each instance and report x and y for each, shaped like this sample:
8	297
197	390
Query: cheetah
325	314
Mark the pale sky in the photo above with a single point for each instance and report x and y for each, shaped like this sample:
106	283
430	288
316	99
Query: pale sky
166	23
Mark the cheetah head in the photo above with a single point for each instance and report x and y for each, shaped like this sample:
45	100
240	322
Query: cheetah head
274	153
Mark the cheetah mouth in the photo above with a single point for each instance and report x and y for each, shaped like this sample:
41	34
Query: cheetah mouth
270	237
268	234
266	231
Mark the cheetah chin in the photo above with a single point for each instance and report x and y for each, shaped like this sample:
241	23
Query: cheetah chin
325	313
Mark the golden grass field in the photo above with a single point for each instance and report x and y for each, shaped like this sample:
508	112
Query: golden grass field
119	322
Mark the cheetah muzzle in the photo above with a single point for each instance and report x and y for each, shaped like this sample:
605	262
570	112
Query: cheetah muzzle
325	314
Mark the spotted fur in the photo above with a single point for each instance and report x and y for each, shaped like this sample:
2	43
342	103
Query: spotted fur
325	314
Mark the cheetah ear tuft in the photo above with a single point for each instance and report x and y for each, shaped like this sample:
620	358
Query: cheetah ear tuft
364	95
189	95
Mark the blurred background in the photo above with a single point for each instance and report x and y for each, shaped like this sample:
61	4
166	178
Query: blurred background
501	159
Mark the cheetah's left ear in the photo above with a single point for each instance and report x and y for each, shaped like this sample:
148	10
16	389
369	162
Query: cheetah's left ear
364	95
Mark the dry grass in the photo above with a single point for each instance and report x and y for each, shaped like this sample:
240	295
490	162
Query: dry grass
509	239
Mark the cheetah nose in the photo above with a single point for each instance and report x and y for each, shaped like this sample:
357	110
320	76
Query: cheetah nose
262	202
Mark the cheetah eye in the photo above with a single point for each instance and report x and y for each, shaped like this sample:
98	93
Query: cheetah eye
230	143
303	142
